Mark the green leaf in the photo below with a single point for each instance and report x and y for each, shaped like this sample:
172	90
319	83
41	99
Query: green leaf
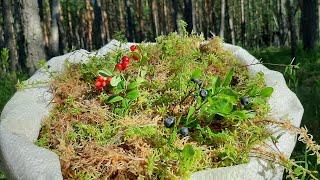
143	73
266	92
104	73
132	95
132	85
228	78
115	99
223	106
215	83
140	80
115	81
196	74
192	109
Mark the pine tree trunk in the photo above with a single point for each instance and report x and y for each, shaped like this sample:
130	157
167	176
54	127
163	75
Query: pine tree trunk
33	34
283	22
194	18
223	15
19	33
61	29
121	16
9	36
156	17
54	30
231	25
97	25
105	31
188	14
309	23
292	28
243	24
175	14
89	22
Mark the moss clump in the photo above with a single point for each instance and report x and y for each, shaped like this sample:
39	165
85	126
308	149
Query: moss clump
119	133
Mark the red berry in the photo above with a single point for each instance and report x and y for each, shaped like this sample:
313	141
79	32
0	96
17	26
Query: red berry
99	85
119	67
125	64
125	59
104	83
100	78
133	47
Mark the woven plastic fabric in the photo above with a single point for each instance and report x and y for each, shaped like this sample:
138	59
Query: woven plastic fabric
21	122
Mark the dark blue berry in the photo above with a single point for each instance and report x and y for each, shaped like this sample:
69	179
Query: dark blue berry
245	101
203	93
169	122
197	81
184	131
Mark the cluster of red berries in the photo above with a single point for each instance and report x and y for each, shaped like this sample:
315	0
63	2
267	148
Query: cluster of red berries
125	60
102	82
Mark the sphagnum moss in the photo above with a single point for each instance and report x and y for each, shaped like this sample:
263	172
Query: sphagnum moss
120	132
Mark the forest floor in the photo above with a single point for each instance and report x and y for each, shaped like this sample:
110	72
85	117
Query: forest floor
308	88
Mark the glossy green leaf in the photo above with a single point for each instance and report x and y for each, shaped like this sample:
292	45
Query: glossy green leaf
192	109
105	73
228	78
115	99
132	95
266	92
132	85
115	81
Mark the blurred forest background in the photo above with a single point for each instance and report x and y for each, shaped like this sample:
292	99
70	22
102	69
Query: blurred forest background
275	31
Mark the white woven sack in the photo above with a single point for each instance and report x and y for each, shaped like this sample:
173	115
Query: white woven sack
20	123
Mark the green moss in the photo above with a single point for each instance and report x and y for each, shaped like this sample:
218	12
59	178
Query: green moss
127	118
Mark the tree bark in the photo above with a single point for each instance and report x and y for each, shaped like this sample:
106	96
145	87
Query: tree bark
175	14
231	25
105	31
309	23
154	11
243	24
97	25
188	14
9	36
89	22
292	28
223	16
194	18
33	34
54	30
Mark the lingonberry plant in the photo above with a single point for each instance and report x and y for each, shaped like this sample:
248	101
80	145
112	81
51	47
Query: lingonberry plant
160	111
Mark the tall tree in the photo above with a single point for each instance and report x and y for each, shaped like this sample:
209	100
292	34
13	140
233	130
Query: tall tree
155	16
105	31
230	17
97	25
223	16
292	28
9	35
188	14
54	29
309	23
33	34
243	24
175	14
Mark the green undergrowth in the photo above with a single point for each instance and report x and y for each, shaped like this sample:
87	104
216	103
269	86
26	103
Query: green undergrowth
119	132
